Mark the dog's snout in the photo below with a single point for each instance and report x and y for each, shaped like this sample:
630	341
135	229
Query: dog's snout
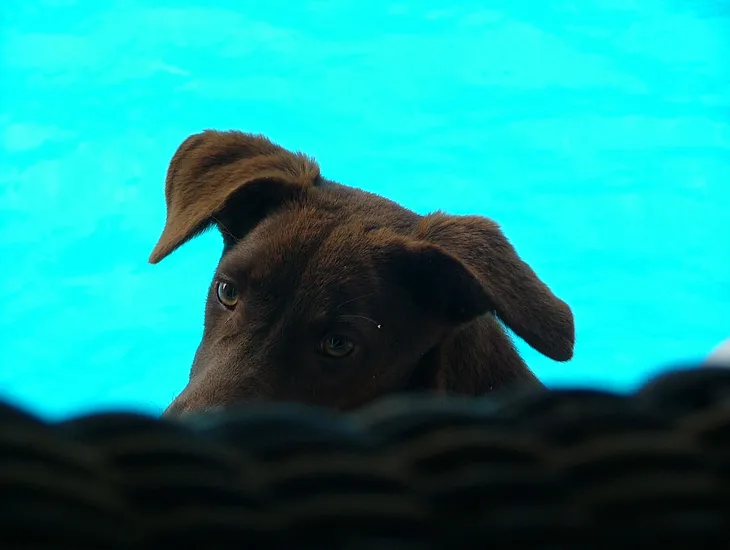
173	410
191	403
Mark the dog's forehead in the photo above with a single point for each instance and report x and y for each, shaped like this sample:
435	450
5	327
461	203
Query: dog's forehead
302	246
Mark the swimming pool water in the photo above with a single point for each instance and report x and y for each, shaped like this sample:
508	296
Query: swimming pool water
597	133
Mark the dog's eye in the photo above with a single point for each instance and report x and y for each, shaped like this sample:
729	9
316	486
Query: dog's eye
227	294
336	346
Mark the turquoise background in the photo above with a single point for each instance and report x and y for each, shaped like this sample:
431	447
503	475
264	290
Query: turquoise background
597	133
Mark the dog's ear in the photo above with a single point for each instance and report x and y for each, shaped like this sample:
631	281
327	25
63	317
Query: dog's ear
232	179
438	281
521	300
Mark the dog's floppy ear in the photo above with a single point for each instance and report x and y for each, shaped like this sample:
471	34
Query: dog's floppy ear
521	300
438	281
213	170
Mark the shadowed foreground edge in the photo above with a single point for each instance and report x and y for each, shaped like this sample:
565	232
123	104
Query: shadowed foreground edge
541	468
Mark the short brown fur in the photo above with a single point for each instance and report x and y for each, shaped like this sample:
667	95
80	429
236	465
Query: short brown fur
312	265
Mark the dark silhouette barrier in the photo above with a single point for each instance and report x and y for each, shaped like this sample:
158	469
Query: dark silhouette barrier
549	469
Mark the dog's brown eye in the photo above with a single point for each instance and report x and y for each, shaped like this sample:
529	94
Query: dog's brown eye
336	346
227	294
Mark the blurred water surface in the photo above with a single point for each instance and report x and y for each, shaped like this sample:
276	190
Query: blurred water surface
597	133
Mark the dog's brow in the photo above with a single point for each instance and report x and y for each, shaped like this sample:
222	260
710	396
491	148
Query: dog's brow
362	297
231	271
363	317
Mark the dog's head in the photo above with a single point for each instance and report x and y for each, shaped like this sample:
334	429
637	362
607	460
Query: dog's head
327	294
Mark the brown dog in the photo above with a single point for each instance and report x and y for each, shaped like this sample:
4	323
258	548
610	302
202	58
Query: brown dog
330	295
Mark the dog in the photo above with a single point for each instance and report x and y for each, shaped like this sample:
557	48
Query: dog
329	295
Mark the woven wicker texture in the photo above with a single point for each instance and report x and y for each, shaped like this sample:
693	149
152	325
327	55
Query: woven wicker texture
552	469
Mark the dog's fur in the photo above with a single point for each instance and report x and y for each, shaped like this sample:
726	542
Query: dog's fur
310	265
